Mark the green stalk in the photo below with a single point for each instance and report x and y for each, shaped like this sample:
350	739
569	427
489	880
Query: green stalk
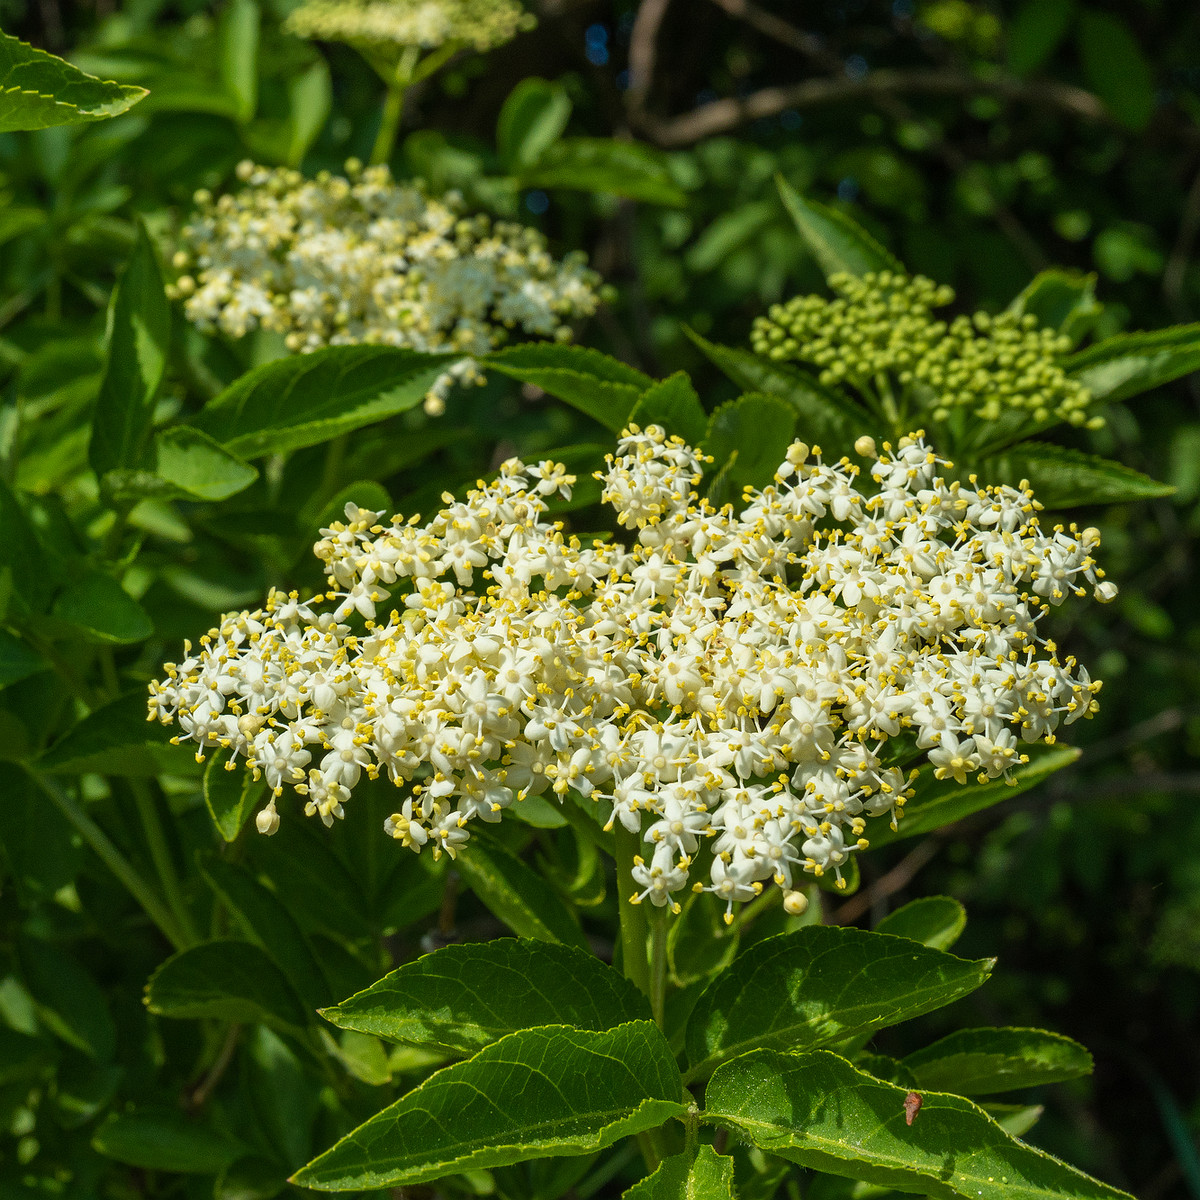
116	862
635	928
164	865
393	105
658	965
635	940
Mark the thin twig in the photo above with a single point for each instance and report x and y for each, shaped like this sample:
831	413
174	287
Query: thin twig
774	27
643	51
200	1093
814	49
720	116
901	875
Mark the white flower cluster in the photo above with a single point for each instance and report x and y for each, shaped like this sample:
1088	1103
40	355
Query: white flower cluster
334	261
481	24
752	679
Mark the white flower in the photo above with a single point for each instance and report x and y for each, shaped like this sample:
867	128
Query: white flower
481	24
726	686
335	261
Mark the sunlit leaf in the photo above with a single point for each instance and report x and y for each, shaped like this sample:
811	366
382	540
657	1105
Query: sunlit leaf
974	1062
935	921
462	998
819	1111
534	1094
820	985
836	242
38	90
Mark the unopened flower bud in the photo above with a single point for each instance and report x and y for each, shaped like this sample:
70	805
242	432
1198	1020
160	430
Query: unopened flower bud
267	821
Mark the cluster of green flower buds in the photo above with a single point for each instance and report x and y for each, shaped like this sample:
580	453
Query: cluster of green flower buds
480	24
880	336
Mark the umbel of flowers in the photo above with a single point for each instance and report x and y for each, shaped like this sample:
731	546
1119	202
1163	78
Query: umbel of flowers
334	261
729	683
880	336
429	24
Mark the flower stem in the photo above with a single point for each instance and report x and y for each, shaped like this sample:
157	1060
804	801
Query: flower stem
634	926
160	853
116	862
658	964
393	106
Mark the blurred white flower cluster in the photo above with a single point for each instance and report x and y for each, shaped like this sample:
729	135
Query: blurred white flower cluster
730	679
480	24
334	261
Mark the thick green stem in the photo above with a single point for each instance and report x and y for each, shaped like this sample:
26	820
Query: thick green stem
117	863
658	964
164	864
635	942
393	106
635	929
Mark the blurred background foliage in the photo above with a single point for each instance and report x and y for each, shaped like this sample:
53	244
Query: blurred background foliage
981	142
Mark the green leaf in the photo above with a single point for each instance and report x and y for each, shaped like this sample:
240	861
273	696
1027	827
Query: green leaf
250	1178
309	398
601	387
974	1062
630	169
1116	68
321	891
699	943
939	802
759	429
819	985
1064	478
728	233
1035	32
720	490
99	606
22	1058
1017	1119
39	846
837	243
366	493
674	405
237	54
817	1110
139	332
196	467
230	796
824	416
26	576
226	980
935	921
163	1140
69	1002
534	1094
310	98
531	120
462	998
116	739
1062	300
516	894
269	922
1131	363
17	659
708	1176
38	90
184	464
